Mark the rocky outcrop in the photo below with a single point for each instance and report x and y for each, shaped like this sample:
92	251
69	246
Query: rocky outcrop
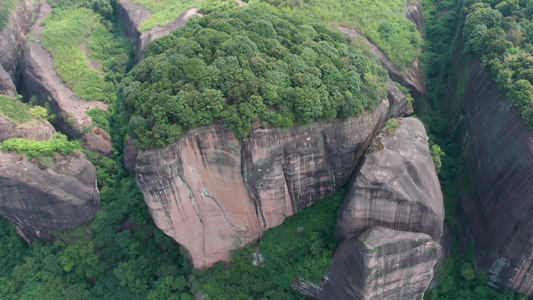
40	199
395	187
11	45
33	129
399	105
41	80
499	215
390	223
213	193
411	76
383	264
132	15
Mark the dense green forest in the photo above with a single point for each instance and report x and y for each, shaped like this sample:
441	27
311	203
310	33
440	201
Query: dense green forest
122	255
244	67
500	33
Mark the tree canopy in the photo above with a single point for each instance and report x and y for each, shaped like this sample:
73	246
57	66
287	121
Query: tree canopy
501	34
243	68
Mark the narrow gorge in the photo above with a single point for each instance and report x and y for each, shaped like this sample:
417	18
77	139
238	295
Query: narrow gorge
266	149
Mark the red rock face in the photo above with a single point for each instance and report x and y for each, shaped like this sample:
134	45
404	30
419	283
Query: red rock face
213	193
499	215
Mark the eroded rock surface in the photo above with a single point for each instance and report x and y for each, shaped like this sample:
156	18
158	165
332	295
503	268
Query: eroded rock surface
11	45
381	264
499	215
132	15
39	199
213	193
40	79
395	187
398	102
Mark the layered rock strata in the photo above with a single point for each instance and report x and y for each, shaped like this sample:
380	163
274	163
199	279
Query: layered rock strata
395	187
41	80
11	45
499	215
132	15
213	193
383	264
40	199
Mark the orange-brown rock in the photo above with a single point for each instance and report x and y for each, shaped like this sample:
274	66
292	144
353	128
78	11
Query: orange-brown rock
213	193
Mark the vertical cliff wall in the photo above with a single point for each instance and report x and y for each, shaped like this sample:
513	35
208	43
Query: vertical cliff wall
11	45
499	215
213	193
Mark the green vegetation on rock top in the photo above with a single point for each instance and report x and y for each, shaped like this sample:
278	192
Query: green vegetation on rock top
14	111
243	67
34	149
164	11
501	34
383	22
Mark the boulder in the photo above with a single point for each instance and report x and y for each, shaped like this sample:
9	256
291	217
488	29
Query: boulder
395	187
41	196
213	193
33	129
381	263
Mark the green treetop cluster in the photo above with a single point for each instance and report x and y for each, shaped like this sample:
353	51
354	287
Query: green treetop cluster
245	67
501	34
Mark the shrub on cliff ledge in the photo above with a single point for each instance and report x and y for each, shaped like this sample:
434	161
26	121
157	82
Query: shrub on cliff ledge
241	68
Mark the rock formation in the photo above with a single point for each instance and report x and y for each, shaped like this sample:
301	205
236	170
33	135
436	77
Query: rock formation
11	46
213	193
396	186
33	129
390	224
132	15
40	79
383	264
414	14
499	215
40	199
398	101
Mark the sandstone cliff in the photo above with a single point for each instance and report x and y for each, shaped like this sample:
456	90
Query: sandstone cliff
132	15
40	79
40	200
396	186
383	264
498	217
213	193
11	46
